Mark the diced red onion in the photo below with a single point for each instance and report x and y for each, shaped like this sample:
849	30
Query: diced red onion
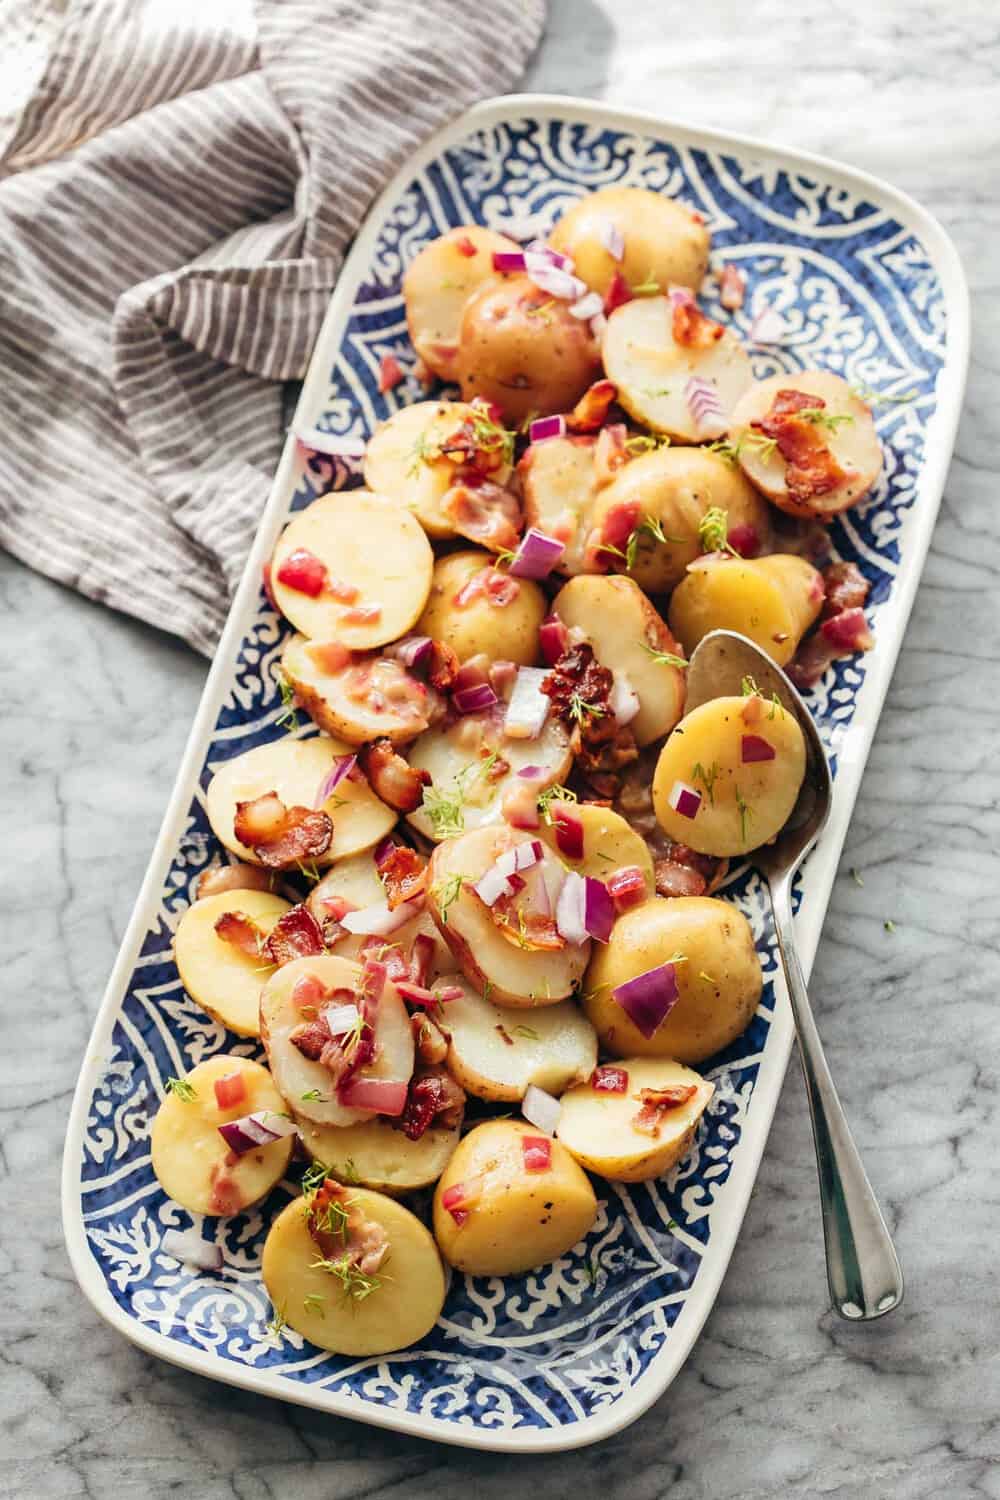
745	540
681	296
378	920
624	700
537	554
753	749
607	1079
536	1152
262	1128
705	407
590	305
475	699
571	909
553	639
611	238
529	706
340	1018
231	1089
342	766
685	799
412	650
383	1096
187	1246
568	824
541	1109
598	910
554	257
552	278
508	260
315	441
648	999
768	327
532	773
496	882
598	323
543	428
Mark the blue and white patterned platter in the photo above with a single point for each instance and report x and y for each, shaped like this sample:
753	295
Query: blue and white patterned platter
870	287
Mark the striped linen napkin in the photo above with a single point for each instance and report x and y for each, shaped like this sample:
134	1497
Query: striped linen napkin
176	195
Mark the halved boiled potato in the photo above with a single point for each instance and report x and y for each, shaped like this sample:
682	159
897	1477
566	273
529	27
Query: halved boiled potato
474	616
193	1163
223	979
672	489
368	697
377	558
403	461
296	1076
652	371
609	844
717	971
295	770
378	1155
720	750
518	976
663	240
356	880
600	1129
403	1306
627	634
495	1054
466	792
772	600
560	485
842	422
436	285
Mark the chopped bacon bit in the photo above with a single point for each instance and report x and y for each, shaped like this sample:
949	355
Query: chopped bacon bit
433	1098
597	740
519	803
362	614
845	587
390	955
403	872
618	525
226	1198
231	1089
422	952
592	408
658	1102
626	887
610	453
464	246
315	1040
303	572
241	931
338	906
617	294
344	593
237	876
684	872
362	1241
496	587
330	656
280	835
265	578
390	373
523	926
811	468
503	675
443	667
745	540
608	1079
398	784
692	328
486	513
848	631
308	992
732	287
537	1153
296	934
461	1197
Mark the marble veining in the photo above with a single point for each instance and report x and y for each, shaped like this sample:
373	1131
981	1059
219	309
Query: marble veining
778	1397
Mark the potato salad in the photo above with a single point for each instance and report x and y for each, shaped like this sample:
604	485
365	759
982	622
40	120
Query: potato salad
468	894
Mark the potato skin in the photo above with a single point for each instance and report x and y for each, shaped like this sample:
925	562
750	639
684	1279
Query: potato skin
772	600
436	285
664	241
597	1128
524	350
522	1219
719	985
507	632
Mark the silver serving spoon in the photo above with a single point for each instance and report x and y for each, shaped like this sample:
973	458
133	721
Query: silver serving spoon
861	1262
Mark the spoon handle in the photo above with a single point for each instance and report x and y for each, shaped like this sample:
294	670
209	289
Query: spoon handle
861	1263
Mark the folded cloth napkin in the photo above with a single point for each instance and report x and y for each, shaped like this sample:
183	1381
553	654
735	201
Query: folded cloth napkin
176	196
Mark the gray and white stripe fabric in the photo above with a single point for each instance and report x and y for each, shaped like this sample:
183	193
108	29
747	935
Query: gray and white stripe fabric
175	200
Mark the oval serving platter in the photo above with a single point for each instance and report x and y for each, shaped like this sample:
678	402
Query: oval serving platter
869	286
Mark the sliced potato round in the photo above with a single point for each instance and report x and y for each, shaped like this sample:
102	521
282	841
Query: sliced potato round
378	1155
843	423
772	600
368	545
718	977
495	1054
628	637
295	769
436	285
664	241
402	1308
369	697
223	979
745	800
403	461
560	485
357	881
670	491
519	1219
609	844
472	622
516	975
652	372
601	1129
296	1076
465	790
193	1163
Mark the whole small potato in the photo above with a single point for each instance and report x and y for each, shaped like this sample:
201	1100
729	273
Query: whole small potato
664	241
509	1219
524	350
718	979
773	600
436	285
472	618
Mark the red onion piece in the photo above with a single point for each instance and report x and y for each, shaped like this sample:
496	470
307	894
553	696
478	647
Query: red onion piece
508	261
705	407
553	639
529	707
590	305
342	766
532	773
598	910
497	881
231	1089
681	296
474	700
745	540
541	1109
648	999
412	650
554	257
383	1096
624	700
536	1151
768	327
607	1079
378	920
571	909
611	238
315	441
568	824
187	1246
598	323
753	749
262	1128
419	994
685	799
544	428
551	278
536	555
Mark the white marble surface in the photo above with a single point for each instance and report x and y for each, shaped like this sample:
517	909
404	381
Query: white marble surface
778	1398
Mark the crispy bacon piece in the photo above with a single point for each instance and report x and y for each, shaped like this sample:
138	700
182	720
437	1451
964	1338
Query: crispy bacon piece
580	689
242	931
345	1234
845	587
329	656
433	1098
626	887
464	246
280	835
390	955
392	778
811	467
610	453
658	1102
605	545
226	1198
617	294
848	631
311	1038
443	666
525	928
315	1040
732	287
390	373
403	872
591	411
429	1040
304	572
682	871
744	539
422	951
296	934
491	584
235	877
485	513
692	328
